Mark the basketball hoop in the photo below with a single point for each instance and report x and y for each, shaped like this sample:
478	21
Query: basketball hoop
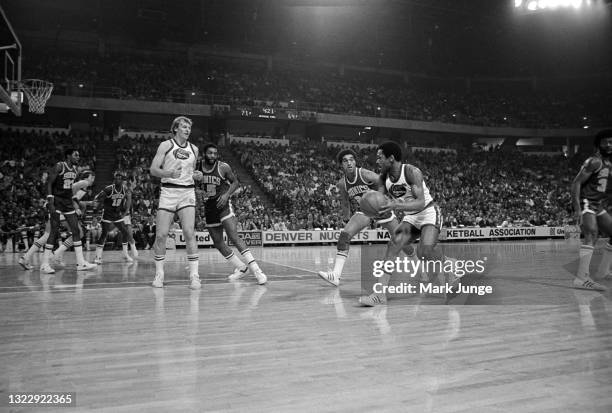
38	92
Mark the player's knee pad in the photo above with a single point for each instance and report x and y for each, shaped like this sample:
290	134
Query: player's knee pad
344	241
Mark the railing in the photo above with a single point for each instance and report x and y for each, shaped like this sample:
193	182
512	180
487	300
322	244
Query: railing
237	103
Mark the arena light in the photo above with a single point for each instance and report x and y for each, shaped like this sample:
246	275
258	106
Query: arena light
533	5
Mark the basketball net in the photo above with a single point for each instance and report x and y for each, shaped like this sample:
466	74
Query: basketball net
38	92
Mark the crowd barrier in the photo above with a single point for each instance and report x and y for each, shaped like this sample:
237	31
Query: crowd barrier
259	238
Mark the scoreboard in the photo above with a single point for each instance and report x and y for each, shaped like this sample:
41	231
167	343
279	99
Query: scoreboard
268	112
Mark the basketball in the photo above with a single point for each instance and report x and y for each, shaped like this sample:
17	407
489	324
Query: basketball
371	203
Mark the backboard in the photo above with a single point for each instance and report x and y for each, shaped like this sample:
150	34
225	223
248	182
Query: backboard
11	95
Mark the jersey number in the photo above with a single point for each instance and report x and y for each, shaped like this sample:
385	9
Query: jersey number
67	183
602	179
117	202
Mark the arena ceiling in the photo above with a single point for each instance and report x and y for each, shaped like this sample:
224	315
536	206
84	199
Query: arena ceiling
452	37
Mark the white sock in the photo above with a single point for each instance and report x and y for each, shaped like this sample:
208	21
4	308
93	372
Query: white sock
250	260
59	253
78	249
585	253
124	248
38	244
47	254
159	264
235	261
192	260
99	250
134	250
340	260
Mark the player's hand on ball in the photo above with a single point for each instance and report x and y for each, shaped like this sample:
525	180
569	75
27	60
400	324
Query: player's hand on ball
198	175
387	207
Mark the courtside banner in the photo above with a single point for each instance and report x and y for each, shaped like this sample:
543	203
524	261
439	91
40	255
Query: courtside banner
257	238
202	238
320	237
450	234
251	238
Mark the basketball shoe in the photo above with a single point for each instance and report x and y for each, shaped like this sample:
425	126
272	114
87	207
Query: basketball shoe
158	282
238	273
86	266
588	284
261	277
373	300
330	276
47	269
24	264
195	282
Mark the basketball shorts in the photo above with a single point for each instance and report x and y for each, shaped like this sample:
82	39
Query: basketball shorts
589	206
429	216
63	206
62	218
215	216
381	219
112	217
175	199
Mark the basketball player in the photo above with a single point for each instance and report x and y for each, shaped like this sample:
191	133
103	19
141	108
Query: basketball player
117	199
219	183
60	201
175	163
355	182
589	194
78	188
409	193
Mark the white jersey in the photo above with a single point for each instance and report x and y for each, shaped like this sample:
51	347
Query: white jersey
402	189
182	157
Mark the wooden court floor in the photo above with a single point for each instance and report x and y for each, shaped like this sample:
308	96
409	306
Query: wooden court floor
299	344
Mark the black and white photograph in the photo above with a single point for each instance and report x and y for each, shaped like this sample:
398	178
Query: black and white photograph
306	206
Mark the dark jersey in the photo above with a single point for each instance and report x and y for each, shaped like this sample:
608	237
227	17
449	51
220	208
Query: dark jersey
114	203
213	184
356	189
596	188
62	186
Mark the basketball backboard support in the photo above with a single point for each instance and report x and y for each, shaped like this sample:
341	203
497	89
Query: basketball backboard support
11	95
